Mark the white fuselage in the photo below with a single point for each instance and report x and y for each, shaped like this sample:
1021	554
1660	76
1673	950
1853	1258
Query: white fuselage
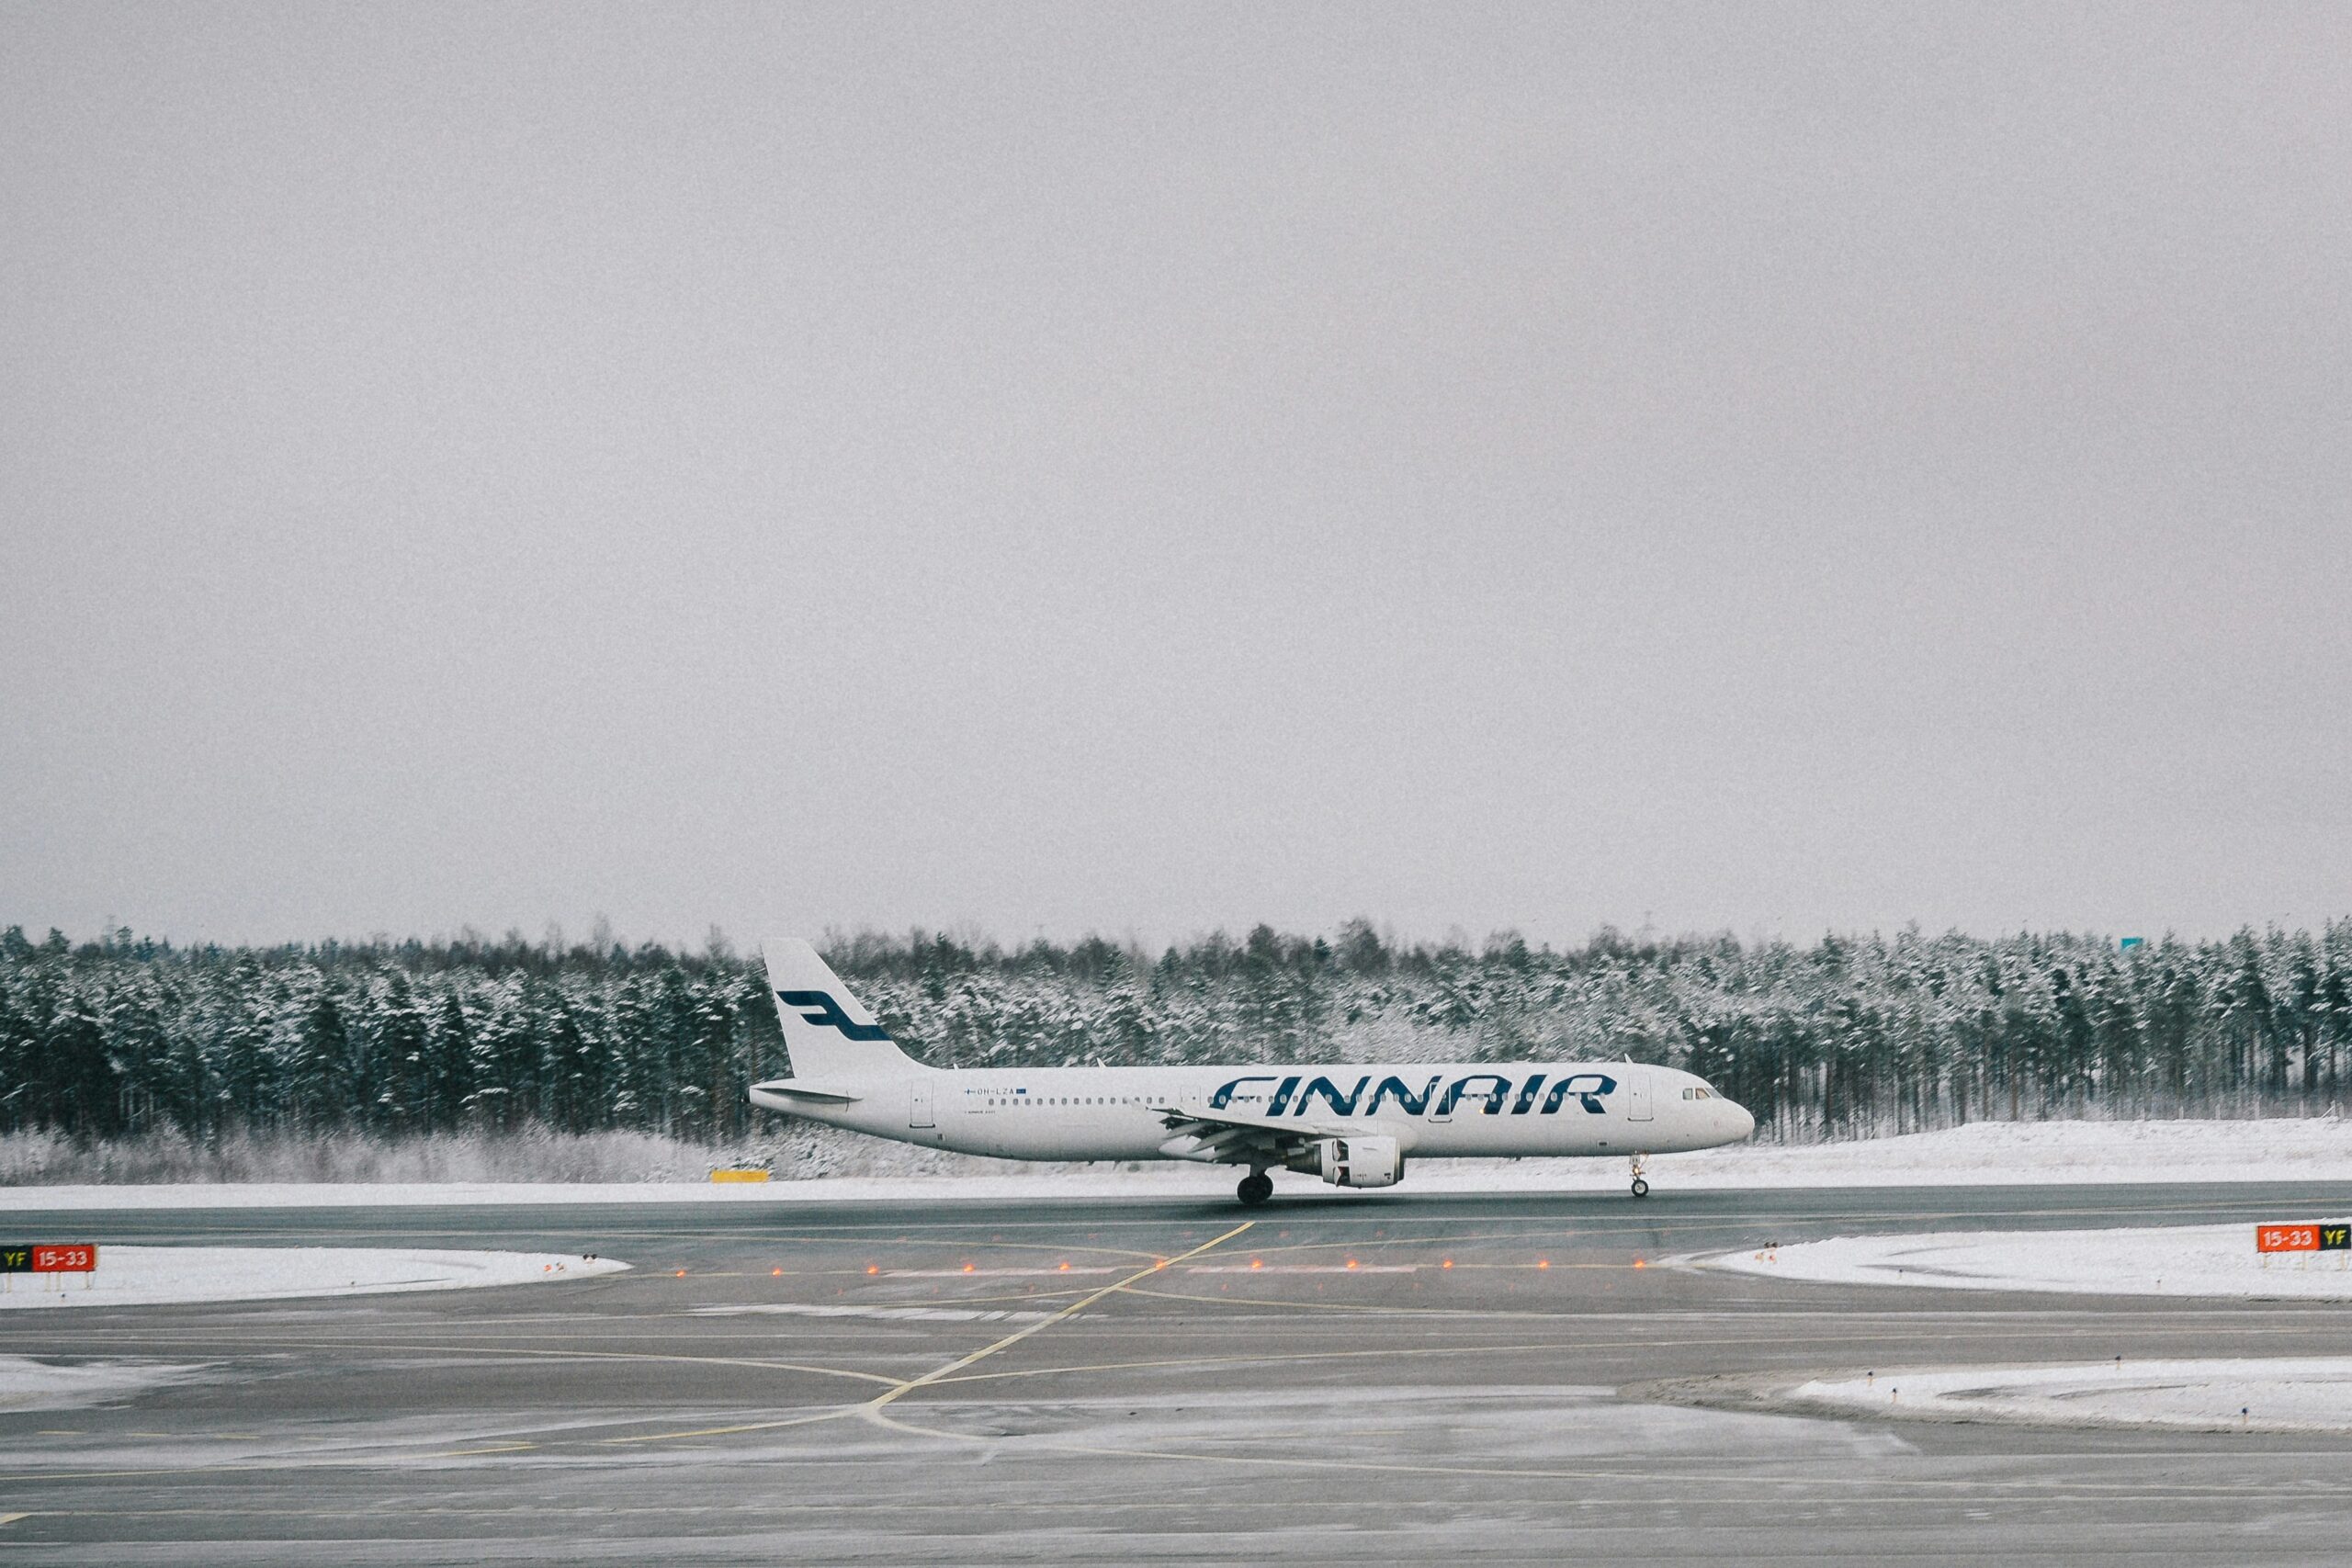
1434	1110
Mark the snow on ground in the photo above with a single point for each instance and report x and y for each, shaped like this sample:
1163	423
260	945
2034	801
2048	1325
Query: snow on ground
151	1276
30	1384
1985	1154
2185	1260
1993	1152
2308	1395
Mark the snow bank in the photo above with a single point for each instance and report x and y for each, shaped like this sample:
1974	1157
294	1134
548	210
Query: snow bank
151	1276
2188	1260
1986	1153
2307	1395
1995	1153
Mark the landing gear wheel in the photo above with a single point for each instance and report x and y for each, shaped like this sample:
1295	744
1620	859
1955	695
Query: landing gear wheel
1641	1188
1255	1188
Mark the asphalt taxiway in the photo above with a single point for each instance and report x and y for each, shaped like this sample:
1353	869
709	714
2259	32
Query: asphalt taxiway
1340	1379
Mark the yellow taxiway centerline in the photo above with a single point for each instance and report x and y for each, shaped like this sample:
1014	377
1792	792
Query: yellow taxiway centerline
880	1399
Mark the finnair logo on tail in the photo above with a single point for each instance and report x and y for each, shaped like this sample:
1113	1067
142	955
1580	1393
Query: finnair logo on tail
820	1008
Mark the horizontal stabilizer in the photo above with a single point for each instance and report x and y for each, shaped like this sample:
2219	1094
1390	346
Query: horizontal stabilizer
794	1088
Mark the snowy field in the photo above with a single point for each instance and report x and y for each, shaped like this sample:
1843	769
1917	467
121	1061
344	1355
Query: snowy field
2188	1260
1986	1153
2310	1394
153	1276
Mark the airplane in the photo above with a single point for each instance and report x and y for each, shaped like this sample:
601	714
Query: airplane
1354	1125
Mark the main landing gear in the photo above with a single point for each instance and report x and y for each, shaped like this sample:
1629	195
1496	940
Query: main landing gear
1255	1188
1641	1188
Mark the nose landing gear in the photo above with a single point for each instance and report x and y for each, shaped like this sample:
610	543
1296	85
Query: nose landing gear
1640	1186
1255	1188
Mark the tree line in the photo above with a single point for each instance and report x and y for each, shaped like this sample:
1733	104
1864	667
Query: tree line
1851	1035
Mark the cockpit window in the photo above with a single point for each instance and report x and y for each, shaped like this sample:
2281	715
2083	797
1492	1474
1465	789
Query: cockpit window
1700	1092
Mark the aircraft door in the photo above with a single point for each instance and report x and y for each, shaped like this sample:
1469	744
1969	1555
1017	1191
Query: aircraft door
918	1104
1637	1096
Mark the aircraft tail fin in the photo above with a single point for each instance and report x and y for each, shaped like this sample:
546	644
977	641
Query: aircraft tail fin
830	1035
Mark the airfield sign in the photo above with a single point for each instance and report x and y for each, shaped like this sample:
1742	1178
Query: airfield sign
2322	1236
48	1257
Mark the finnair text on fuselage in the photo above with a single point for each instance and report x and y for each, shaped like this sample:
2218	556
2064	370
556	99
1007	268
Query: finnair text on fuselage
1591	1088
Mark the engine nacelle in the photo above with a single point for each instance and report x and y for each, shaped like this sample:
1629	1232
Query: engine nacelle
1369	1161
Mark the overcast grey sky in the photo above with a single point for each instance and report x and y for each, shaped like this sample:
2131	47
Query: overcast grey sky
1142	469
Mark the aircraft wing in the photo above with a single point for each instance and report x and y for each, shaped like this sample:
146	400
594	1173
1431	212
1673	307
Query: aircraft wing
1235	1137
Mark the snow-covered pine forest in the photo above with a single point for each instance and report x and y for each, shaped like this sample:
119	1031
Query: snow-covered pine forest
1849	1036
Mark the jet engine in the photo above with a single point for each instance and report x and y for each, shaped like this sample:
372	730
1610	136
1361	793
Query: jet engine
1371	1161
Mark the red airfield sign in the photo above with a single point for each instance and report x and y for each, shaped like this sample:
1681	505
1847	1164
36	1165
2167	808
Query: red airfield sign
48	1257
2317	1236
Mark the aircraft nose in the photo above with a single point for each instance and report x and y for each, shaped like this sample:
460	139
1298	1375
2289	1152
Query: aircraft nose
1742	1118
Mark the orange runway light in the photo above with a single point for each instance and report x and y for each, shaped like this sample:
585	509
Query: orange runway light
1257	1263
776	1272
1639	1264
969	1268
874	1267
1542	1263
681	1274
1447	1264
1064	1269
1351	1262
